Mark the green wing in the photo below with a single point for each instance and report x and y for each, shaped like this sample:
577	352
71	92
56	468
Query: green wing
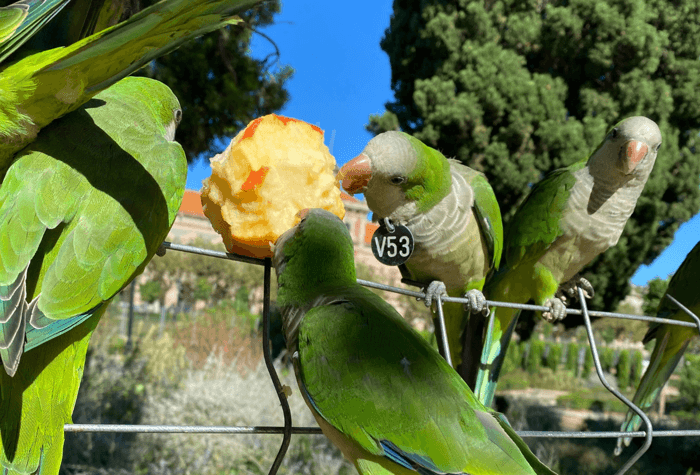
44	86
489	214
671	340
528	235
531	231
82	211
82	224
369	375
683	286
22	20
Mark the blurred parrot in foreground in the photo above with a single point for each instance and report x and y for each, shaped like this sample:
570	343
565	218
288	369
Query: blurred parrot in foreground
570	217
378	390
82	211
449	208
23	19
44	86
671	340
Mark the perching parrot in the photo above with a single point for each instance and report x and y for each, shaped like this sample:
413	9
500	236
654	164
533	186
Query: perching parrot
451	211
570	217
44	86
82	211
671	340
378	390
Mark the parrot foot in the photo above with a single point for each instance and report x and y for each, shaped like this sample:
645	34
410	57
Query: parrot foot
571	287
622	442
557	312
477	302
434	289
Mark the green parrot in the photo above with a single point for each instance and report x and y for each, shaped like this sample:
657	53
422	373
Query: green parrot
82	211
449	208
571	216
671	340
44	86
22	20
377	389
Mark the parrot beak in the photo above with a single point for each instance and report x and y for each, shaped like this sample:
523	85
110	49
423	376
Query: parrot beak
277	247
355	174
635	151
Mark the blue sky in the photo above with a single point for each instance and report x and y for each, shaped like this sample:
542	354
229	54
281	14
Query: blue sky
342	76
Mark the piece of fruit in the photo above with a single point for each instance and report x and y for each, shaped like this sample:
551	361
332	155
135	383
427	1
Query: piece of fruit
271	170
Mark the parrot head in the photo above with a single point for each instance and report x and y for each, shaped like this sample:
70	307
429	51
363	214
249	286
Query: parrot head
398	174
629	143
318	249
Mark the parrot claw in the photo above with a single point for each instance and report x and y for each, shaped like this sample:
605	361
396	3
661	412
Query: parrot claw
434	289
557	312
477	302
587	288
571	288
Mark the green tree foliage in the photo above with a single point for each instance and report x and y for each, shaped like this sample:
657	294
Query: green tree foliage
534	357
572	358
151	291
519	89
514	357
587	363
624	367
554	356
656	290
606	355
690	380
637	361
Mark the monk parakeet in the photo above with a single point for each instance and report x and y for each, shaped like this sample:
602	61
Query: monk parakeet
44	86
378	390
82	211
671	340
571	216
449	208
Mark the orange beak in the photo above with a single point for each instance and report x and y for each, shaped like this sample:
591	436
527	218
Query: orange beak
355	174
635	152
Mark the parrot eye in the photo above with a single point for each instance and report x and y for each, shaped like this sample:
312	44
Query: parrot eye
614	133
178	115
397	180
658	147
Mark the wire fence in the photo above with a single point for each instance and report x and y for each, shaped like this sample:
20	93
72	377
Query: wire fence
288	429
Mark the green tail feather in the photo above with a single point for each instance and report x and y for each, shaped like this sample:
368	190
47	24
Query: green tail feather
492	357
52	372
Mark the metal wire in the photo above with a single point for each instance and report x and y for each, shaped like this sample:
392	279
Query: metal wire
248	430
599	369
287	430
267	354
443	345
